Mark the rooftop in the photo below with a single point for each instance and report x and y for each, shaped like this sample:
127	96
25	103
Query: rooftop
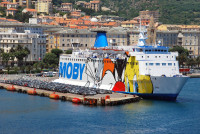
30	10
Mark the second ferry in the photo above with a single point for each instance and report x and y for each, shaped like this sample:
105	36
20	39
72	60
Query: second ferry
147	71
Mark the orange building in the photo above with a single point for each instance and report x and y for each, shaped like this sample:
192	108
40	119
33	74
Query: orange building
11	11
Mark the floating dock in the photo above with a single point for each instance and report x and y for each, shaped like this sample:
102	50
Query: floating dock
95	100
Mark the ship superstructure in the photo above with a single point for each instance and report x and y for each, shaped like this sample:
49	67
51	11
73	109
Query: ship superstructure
148	71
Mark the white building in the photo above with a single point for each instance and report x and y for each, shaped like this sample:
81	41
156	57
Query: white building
36	43
35	21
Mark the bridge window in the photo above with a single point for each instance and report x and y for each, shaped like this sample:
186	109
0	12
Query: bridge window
150	64
157	64
169	64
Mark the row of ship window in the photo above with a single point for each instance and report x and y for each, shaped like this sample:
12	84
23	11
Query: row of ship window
160	64
155	50
157	56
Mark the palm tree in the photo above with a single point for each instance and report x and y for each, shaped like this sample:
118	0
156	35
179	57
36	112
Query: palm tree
190	62
6	58
12	56
1	52
198	61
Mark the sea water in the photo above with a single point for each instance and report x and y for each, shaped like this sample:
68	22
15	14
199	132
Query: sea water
25	114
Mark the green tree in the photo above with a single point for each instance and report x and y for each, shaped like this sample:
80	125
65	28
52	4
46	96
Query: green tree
183	54
198	60
57	52
3	11
50	58
68	52
22	17
1	52
10	16
20	54
190	62
12	56
41	65
5	58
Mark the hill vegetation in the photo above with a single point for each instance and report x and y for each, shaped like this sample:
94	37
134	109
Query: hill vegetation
171	11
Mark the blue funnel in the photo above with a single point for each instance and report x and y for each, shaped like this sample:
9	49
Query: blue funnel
101	39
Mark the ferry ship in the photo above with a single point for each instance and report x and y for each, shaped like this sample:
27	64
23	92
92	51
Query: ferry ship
147	71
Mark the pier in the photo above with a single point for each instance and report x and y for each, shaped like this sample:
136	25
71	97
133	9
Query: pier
95	100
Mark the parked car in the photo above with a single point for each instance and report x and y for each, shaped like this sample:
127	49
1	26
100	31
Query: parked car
48	74
39	74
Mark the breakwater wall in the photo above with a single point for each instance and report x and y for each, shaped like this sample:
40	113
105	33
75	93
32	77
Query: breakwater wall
95	100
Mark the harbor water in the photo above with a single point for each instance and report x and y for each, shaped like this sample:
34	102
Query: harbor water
21	113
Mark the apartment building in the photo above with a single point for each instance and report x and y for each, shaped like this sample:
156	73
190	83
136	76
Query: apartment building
83	38
11	11
44	6
33	12
21	27
95	4
66	7
191	41
50	42
36	43
154	14
187	39
132	37
167	38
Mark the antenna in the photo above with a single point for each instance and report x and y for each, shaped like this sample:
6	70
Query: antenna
140	24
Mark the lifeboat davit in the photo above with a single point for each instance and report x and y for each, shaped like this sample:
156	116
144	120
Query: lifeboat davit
32	92
76	100
54	96
11	88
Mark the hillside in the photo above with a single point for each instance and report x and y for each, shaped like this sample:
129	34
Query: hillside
171	11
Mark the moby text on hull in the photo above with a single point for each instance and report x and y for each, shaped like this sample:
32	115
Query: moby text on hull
148	71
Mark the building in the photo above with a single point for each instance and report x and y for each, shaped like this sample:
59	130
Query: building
95	4
21	27
130	24
132	37
12	5
185	38
165	27
190	40
109	18
151	32
11	11
36	43
33	12
35	20
51	38
4	4
154	14
66	7
84	38
44	6
167	38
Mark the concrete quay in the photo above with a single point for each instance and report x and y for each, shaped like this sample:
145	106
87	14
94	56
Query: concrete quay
194	75
95	100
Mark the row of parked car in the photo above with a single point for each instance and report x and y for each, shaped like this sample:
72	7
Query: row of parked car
47	74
